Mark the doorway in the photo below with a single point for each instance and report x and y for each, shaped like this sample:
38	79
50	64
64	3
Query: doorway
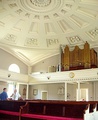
44	95
83	94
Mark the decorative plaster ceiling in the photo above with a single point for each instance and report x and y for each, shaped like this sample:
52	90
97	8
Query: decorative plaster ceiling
33	30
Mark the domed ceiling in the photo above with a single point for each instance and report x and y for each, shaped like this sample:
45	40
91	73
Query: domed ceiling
33	30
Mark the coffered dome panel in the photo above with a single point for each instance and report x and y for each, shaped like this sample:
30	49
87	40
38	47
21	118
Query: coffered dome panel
27	26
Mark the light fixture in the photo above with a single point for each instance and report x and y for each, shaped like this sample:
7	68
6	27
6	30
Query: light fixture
48	77
9	75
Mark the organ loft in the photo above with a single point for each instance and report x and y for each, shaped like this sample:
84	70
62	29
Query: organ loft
76	59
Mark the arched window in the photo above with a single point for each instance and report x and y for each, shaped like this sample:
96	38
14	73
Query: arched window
14	68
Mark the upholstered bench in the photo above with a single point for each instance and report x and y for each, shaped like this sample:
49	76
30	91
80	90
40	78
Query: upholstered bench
45	117
10	110
52	110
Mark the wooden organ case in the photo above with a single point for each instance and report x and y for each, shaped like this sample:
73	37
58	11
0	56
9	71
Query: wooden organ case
78	58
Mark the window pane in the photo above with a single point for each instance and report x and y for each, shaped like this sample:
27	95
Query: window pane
14	68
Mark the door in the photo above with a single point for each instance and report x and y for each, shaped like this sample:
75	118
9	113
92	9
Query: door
44	95
83	94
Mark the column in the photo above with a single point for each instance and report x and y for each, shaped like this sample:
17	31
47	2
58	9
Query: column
65	91
27	91
17	87
78	92
59	65
94	89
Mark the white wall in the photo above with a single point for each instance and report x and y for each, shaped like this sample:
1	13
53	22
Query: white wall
21	88
71	90
43	65
86	85
89	85
96	90
7	59
52	90
3	85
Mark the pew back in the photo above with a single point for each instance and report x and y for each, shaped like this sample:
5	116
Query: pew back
11	105
70	109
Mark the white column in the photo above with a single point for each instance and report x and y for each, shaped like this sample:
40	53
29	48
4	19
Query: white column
65	91
18	87
27	91
94	89
78	92
60	58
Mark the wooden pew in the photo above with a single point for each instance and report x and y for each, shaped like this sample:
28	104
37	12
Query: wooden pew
91	112
53	110
95	111
10	109
44	109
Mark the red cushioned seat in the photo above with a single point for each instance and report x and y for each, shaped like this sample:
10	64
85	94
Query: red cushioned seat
9	112
44	117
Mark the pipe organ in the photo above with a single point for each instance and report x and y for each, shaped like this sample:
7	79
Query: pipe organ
78	58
